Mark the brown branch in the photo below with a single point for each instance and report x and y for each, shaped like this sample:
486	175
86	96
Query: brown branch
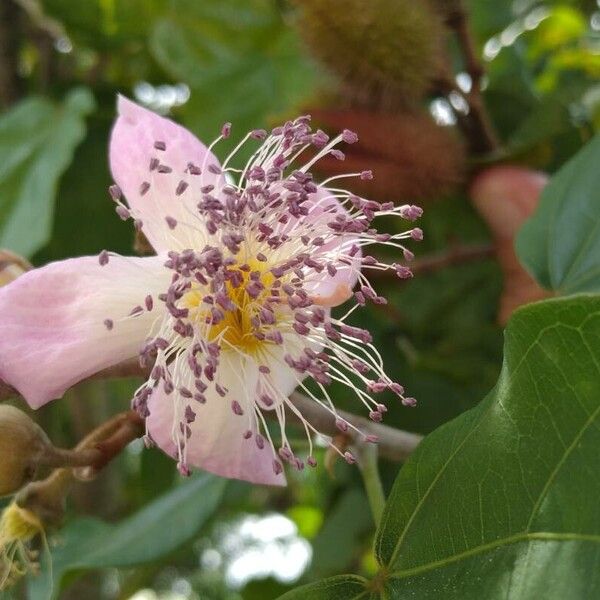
394	444
46	498
476	125
10	82
455	255
100	446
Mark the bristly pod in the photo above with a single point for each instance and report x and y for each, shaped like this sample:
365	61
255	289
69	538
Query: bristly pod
411	156
386	52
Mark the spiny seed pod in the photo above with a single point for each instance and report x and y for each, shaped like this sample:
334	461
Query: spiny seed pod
22	446
11	266
412	158
448	7
386	51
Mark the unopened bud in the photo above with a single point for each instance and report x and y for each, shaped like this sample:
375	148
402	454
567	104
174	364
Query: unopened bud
11	266
22	446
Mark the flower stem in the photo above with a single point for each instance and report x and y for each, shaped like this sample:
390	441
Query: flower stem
369	469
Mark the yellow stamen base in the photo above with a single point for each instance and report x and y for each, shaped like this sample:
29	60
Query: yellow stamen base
18	526
236	329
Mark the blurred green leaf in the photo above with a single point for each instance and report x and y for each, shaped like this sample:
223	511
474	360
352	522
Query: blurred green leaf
152	533
560	244
550	117
488	16
308	519
240	60
342	587
37	141
338	542
564	24
85	220
105	24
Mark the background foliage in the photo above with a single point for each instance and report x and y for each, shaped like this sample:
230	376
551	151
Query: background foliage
496	501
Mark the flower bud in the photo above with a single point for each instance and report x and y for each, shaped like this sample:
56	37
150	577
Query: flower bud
386	51
11	266
22	445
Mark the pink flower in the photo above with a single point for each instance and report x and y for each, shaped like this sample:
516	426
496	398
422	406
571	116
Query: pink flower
232	314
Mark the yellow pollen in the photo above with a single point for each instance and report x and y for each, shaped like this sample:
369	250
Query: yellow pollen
17	527
236	328
18	524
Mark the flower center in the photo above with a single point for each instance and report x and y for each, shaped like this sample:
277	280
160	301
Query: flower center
247	302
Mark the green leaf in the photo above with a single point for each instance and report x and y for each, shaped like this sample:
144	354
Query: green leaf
37	141
342	587
560	244
153	532
338	541
502	501
240	60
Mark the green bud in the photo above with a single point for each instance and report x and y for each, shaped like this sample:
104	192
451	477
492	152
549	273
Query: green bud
11	266
22	446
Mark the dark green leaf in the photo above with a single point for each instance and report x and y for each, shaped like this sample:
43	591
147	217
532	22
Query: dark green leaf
339	539
342	587
560	244
153	532
85	221
37	140
502	501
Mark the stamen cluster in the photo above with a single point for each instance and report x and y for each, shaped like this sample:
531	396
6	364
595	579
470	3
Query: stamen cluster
275	252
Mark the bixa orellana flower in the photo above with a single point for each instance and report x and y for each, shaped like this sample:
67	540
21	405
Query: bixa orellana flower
234	311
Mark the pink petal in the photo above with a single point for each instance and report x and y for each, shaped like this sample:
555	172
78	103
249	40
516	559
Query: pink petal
281	377
324	285
52	332
217	442
132	147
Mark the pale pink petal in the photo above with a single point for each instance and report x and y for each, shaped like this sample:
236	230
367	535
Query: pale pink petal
282	380
52	331
324	285
132	148
217	442
506	195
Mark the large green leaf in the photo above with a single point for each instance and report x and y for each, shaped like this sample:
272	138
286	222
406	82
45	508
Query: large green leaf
37	141
560	244
153	532
502	501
